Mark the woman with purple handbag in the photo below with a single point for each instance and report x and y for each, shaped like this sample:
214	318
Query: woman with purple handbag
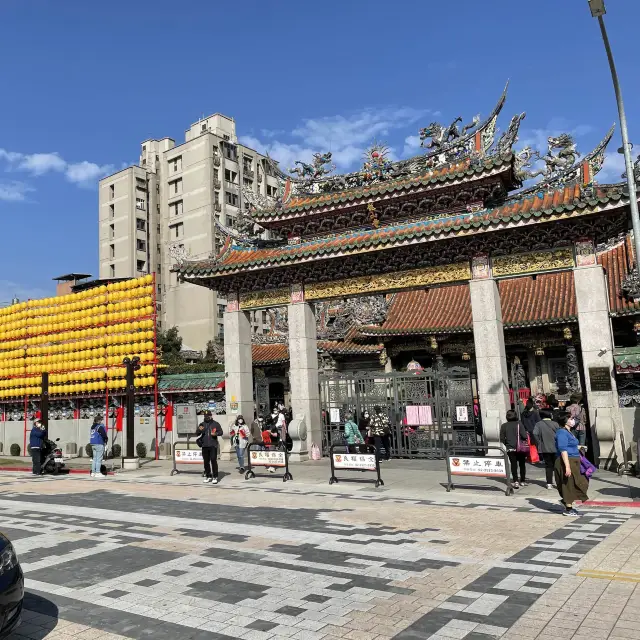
571	482
514	437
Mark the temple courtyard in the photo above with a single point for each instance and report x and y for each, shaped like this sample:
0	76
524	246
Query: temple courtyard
147	555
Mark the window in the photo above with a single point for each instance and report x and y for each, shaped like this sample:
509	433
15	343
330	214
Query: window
112	211
158	249
221	330
231	221
112	231
141	224
271	191
175	187
112	270
230	151
144	148
175	164
176	208
216	197
112	251
221	308
158	209
141	265
158	188
232	199
141	245
159	268
158	229
247	182
177	230
230	176
112	191
140	204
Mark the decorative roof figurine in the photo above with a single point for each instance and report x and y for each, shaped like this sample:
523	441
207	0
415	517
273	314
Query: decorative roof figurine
443	136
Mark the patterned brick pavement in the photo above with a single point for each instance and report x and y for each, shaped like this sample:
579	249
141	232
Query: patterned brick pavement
106	560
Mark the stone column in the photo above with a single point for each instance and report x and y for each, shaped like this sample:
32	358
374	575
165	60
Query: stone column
596	343
303	368
238	368
491	360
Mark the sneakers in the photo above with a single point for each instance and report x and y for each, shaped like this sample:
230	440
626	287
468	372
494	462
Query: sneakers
524	483
272	470
516	485
570	512
214	480
241	470
206	480
549	486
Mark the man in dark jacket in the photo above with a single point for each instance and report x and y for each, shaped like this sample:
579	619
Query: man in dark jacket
36	442
208	432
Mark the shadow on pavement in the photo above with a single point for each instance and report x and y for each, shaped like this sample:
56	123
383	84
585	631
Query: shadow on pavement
546	506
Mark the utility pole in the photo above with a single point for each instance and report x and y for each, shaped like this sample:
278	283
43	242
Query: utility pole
597	11
132	364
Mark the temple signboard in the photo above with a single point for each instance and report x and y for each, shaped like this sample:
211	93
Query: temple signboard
600	378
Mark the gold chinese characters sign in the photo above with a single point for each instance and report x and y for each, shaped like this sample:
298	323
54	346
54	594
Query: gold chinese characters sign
268	298
388	281
533	262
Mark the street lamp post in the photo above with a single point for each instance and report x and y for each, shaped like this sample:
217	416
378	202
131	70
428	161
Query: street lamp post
132	365
597	11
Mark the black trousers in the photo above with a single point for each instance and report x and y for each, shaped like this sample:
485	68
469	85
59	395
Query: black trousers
36	459
383	442
549	463
210	459
518	460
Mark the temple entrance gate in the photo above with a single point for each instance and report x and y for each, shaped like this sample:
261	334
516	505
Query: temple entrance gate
429	410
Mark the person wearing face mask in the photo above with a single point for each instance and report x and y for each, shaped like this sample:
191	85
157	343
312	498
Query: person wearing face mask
207	437
240	439
256	429
364	424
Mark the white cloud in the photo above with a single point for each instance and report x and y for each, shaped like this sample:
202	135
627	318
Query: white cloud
14	191
613	168
347	137
83	174
411	145
40	163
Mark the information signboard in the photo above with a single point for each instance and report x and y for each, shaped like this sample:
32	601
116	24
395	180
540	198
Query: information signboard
188	456
267	458
471	466
354	461
186	419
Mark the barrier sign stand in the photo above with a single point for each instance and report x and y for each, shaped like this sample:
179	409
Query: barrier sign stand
185	456
354	462
461	464
261	455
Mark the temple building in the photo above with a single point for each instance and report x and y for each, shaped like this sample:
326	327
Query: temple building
442	288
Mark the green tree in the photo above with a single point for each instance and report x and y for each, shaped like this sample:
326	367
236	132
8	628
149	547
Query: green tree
170	344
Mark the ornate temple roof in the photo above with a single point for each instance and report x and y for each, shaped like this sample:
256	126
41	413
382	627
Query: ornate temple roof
190	382
561	203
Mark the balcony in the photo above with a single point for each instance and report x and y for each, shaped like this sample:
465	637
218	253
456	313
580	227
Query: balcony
249	173
231	186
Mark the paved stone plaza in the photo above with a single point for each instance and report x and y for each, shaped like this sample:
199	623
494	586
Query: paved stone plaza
166	558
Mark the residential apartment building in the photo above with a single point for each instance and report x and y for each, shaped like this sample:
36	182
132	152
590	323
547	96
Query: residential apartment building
167	206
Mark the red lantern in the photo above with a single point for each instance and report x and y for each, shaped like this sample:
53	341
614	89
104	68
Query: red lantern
168	418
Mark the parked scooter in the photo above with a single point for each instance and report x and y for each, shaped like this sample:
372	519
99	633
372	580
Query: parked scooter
52	457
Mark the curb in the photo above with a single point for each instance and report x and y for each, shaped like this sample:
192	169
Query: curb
64	471
611	503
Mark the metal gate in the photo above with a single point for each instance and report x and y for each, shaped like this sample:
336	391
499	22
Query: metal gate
428	410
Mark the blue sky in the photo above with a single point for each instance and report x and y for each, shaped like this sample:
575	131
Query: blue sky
85	82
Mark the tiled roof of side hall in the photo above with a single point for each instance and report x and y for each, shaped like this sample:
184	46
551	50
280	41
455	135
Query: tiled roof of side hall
616	263
463	170
562	202
526	301
278	352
